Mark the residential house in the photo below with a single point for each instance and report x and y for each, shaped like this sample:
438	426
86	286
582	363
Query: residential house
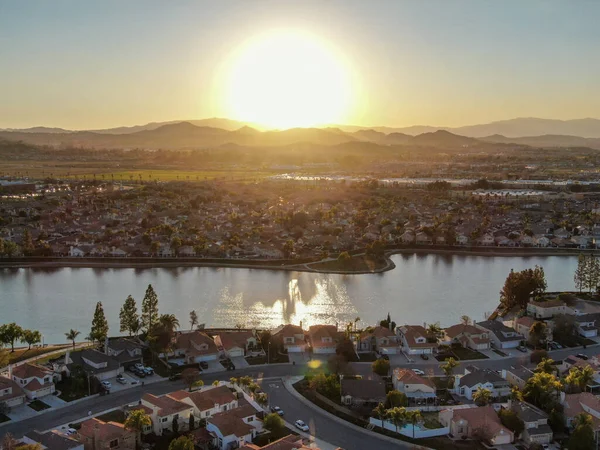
93	363
36	381
194	347
522	325
414	340
474	378
587	325
486	240
468	336
546	309
501	336
583	402
535	420
76	252
126	351
208	401
11	394
165	410
517	376
476	423
359	392
52	440
379	339
96	434
412	385
292	338
234	428
323	338
236	343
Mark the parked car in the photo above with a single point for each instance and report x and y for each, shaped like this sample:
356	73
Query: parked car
135	381
131	369
582	356
140	373
277	410
138	366
148	371
418	372
175	376
121	379
424	356
301	425
522	349
204	365
106	384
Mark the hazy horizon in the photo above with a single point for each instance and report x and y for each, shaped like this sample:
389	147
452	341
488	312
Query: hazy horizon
83	65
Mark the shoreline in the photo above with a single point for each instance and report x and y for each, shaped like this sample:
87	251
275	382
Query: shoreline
289	265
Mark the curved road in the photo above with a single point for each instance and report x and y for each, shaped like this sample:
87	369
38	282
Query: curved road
321	424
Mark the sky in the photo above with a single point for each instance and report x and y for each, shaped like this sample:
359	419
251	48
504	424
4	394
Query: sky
82	64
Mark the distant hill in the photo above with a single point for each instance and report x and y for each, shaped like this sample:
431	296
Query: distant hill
37	130
547	140
225	124
521	127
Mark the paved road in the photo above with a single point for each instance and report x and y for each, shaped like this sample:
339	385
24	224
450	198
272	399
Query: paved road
321	425
325	428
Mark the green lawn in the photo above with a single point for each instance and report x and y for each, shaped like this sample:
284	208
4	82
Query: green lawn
274	359
466	354
430	420
367	357
38	405
499	352
360	263
4	418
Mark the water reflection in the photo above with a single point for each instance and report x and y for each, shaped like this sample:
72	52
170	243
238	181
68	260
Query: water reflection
422	288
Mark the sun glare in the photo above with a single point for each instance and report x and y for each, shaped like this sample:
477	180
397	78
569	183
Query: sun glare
284	79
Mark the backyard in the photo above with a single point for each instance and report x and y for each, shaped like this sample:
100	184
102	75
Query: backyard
459	353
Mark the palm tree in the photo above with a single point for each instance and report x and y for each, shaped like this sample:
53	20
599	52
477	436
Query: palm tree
169	322
448	367
586	376
413	417
465	320
482	396
582	419
398	417
434	330
137	421
72	335
380	412
546	365
515	394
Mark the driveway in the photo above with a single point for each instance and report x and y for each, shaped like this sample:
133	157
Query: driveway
298	358
322	426
53	401
214	367
240	362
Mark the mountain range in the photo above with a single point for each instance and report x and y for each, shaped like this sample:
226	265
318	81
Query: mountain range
210	133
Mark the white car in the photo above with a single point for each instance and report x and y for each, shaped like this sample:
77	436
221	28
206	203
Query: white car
106	384
301	425
418	371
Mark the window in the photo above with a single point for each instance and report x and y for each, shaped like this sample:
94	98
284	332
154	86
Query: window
114	443
164	419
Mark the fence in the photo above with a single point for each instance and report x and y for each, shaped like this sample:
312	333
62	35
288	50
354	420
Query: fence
411	431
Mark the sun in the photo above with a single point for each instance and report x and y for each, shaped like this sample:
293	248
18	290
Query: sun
288	79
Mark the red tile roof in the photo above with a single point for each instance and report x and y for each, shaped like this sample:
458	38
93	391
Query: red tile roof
106	431
407	376
30	370
207	398
166	404
229	423
6	383
231	339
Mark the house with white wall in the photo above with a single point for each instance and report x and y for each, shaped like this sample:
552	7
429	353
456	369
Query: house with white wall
236	343
413	339
501	336
292	338
323	338
194	347
480	423
235	427
546	309
165	410
412	385
36	381
11	394
473	379
208	401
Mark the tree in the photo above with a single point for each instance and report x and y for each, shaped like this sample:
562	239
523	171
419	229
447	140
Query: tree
190	376
327	385
381	367
31	337
193	319
395	398
149	309
35	446
582	437
515	394
154	247
99	330
578	378
8	442
482	396
4	357
380	412
448	368
273	423
564	327
542	390
579	277
10	333
414	416
176	244
129	316
398	417
27	244
175	425
511	420
182	442
136	422
192	422
262	398
434	330
538	334
169	322
465	320
72	335
520	286
337	364
10	249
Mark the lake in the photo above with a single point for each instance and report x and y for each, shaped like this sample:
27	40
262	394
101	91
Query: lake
422	288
